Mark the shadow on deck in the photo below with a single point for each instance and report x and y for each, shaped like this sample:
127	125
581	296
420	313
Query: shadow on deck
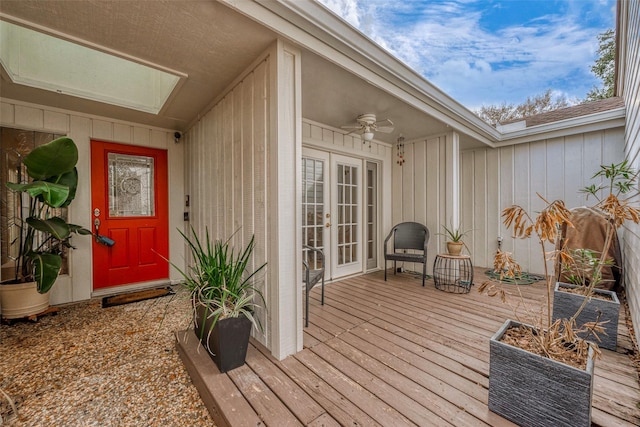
390	353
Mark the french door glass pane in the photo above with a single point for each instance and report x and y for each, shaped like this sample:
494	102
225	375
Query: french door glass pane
347	186
312	207
371	219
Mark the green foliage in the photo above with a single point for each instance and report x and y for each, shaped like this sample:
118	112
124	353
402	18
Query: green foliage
621	179
43	236
220	278
454	234
584	267
52	160
604	67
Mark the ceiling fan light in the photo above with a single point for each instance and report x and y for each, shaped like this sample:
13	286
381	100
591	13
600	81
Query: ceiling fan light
367	136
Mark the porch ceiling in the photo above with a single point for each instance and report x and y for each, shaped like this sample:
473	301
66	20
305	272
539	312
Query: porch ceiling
211	44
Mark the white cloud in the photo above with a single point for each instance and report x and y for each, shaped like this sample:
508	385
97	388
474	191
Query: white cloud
447	43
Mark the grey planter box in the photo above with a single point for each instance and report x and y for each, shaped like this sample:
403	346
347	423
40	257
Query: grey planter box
531	390
566	304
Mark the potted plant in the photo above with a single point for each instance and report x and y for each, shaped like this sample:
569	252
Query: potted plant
603	306
42	234
540	372
222	289
580	300
454	237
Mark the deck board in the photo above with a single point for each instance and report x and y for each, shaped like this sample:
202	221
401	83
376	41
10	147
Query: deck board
395	353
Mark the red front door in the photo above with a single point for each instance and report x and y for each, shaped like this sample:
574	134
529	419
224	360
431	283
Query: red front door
129	201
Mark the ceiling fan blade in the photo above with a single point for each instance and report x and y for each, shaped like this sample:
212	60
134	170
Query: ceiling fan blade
385	129
351	127
384	123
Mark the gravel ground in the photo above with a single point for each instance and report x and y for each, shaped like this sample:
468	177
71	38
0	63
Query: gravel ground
89	366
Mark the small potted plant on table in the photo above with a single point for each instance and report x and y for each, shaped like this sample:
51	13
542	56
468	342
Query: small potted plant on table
454	237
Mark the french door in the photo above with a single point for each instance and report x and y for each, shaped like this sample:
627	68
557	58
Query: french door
333	203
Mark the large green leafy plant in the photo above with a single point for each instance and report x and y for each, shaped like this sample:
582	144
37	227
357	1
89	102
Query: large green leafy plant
52	184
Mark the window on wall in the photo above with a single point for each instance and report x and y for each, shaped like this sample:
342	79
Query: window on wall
15	144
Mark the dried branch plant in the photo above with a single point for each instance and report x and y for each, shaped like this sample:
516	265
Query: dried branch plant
546	338
559	340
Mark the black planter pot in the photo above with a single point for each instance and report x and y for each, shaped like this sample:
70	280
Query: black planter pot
532	390
565	305
226	342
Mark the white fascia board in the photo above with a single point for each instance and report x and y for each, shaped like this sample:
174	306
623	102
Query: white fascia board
313	27
589	123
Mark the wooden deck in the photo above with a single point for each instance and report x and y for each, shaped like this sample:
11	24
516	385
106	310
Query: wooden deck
392	354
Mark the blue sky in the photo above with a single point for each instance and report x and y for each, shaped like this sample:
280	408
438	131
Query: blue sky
489	51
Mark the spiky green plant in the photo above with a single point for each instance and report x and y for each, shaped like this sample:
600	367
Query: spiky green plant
454	234
219	279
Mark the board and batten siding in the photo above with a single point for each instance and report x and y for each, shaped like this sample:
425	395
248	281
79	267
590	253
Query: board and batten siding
77	286
494	179
424	191
240	158
226	170
629	71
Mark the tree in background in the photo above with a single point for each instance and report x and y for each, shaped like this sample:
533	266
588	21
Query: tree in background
494	114
604	67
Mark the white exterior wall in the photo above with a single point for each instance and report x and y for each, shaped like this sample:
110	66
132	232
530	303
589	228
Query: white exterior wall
629	87
77	286
493	179
425	188
241	159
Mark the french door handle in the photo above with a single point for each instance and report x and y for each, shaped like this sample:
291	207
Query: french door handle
328	225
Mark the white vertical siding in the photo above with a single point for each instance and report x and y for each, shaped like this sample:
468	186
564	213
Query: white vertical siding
420	189
226	172
629	70
493	179
241	156
77	286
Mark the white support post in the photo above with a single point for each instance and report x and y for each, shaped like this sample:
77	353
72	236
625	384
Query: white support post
452	180
285	156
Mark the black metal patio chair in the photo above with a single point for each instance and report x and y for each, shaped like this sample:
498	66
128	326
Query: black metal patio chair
407	236
312	276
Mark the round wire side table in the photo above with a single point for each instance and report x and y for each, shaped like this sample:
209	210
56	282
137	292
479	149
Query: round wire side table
453	273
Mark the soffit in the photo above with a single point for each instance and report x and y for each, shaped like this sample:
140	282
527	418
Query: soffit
333	96
212	44
205	40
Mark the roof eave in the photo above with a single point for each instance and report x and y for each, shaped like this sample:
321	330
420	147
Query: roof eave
354	51
589	123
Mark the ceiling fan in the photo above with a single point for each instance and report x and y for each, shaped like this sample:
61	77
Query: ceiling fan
366	124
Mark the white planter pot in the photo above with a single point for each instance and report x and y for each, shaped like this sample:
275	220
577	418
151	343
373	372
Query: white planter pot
22	300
